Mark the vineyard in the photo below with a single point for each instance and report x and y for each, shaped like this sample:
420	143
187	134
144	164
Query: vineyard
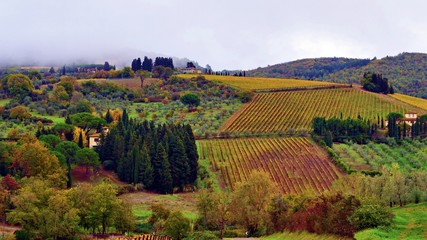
295	110
295	164
251	83
419	102
410	154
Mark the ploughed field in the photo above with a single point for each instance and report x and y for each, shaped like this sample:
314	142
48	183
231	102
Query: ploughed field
294	110
296	164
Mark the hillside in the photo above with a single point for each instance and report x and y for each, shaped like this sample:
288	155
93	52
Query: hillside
295	164
254	83
281	112
407	71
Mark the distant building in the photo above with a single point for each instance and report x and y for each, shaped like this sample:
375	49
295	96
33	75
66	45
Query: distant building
95	138
191	71
409	118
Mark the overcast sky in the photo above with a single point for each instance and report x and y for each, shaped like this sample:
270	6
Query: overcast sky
227	34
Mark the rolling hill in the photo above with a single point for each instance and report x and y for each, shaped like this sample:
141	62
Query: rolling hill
406	71
294	110
296	164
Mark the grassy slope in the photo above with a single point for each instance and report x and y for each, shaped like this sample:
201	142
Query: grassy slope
250	83
418	102
410	222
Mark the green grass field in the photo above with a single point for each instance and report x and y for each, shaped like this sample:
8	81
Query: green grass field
410	222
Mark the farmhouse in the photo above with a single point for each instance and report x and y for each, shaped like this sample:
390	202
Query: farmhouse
191	70
94	138
409	118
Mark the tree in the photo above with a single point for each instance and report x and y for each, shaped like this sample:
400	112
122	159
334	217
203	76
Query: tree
87	157
44	211
51	70
214	208
127	72
147	64
142	76
34	159
59	95
190	65
251	200
68	83
50	139
108	117
104	207
177	226
371	214
19	112
375	83
19	85
34	75
178	162
191	100
63	130
69	150
87	121
81	107
106	66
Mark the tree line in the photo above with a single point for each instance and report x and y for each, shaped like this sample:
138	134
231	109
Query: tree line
340	130
162	158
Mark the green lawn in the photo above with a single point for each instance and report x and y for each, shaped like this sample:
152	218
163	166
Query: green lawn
55	119
4	102
410	222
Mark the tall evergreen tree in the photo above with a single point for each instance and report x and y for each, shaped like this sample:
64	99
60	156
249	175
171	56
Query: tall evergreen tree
146	169
80	143
180	170
147	64
108	117
106	66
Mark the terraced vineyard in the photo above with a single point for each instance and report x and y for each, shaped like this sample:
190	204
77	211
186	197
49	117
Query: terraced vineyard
295	164
281	111
410	154
255	83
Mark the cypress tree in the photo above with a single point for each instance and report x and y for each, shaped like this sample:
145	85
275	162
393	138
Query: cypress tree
146	169
191	150
108	117
162	174
178	162
80	143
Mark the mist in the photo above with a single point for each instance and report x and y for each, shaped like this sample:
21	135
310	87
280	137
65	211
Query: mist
224	34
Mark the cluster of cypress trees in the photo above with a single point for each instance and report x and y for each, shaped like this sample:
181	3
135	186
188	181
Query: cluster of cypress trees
160	157
339	130
165	62
146	65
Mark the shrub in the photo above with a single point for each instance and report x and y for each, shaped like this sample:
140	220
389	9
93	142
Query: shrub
371	215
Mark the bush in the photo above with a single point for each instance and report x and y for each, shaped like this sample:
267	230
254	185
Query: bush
371	215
